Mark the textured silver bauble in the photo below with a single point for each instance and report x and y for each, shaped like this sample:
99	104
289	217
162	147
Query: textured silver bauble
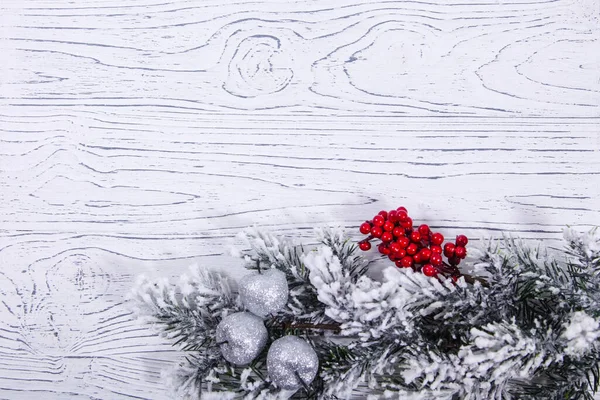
242	336
290	357
264	293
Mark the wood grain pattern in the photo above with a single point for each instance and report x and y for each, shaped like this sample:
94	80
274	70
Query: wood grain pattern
139	137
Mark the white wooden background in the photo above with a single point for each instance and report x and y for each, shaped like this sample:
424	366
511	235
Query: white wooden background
139	136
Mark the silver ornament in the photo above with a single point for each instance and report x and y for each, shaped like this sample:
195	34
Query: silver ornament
242	336
289	359
264	293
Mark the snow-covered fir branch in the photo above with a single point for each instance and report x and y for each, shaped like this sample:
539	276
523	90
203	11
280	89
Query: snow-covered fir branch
187	311
365	308
585	249
494	357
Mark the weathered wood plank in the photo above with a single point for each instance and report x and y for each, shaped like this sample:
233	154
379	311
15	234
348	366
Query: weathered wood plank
191	174
532	58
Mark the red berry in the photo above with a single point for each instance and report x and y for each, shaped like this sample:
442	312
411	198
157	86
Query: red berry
436	259
449	249
403	242
378	220
383	249
429	270
386	237
402	216
424	230
412	249
437	238
406	262
393	216
397	232
365	228
461	240
435	249
364	245
402	209
389	226
418	258
408	224
425	254
383	213
399	264
415	237
376	231
460	252
395	247
401	253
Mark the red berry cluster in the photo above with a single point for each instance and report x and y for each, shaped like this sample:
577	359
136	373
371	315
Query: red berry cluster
419	249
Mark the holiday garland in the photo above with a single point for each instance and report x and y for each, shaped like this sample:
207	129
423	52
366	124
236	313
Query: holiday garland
313	323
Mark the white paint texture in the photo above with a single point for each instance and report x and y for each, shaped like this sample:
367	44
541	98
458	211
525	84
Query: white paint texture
139	136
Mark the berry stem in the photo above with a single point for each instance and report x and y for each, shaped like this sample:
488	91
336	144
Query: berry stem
468	278
450	267
258	266
472	279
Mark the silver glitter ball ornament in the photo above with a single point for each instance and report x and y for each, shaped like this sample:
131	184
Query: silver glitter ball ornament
264	293
289	358
242	336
